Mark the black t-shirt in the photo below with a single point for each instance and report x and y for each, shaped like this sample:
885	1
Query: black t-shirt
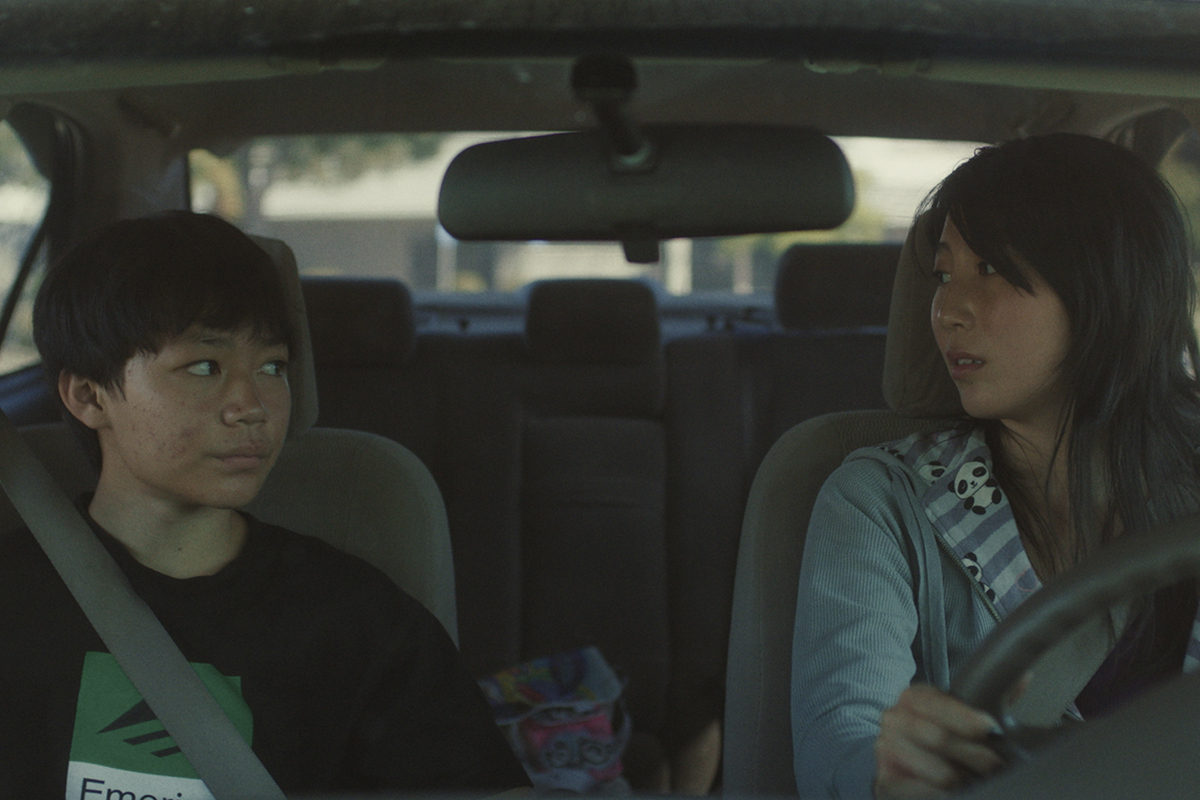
340	680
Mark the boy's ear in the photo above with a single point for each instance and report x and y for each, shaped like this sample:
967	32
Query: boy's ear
84	398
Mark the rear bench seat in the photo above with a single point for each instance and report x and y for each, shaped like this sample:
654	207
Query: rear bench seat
451	400
831	302
550	450
731	395
595	478
593	492
363	341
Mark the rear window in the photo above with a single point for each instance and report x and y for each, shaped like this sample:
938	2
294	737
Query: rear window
366	206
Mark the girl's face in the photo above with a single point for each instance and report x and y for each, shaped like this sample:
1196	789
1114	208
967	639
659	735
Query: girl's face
1003	346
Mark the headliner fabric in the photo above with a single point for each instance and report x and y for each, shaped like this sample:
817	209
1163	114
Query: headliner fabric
360	322
592	321
835	286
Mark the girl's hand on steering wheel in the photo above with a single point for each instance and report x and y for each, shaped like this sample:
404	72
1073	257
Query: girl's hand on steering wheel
931	743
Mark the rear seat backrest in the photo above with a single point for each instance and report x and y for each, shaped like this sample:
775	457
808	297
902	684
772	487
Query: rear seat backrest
593	347
478	465
452	401
595	479
705	495
593	488
729	397
609	469
364	336
592	321
835	287
832	302
362	322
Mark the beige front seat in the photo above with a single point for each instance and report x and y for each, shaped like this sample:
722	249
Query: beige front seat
362	493
758	756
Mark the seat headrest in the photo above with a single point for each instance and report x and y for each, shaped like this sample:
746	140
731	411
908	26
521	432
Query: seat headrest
916	382
592	321
834	286
360	322
301	377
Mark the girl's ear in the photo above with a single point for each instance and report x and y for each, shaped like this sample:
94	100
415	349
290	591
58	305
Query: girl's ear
84	398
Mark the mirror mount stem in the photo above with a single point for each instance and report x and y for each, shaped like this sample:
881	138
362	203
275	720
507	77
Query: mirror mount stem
606	82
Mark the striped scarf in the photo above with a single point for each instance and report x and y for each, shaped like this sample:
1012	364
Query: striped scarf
973	518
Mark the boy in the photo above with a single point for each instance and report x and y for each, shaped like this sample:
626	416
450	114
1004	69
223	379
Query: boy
166	339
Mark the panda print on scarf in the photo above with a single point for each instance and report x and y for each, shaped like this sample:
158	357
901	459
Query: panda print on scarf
976	487
971	562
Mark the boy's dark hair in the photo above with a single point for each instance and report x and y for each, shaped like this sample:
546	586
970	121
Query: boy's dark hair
133	286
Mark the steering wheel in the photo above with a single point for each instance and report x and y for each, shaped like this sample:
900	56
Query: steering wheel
1129	567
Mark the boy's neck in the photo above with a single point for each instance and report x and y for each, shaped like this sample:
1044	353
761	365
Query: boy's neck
179	543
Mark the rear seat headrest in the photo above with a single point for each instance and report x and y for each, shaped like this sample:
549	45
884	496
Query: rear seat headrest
916	382
834	286
592	321
360	322
301	378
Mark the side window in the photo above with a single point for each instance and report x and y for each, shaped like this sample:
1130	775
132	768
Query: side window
24	194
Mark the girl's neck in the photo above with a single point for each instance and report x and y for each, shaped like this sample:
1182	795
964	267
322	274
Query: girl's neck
1037	463
1037	459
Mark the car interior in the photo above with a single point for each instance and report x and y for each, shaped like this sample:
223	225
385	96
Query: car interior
588	459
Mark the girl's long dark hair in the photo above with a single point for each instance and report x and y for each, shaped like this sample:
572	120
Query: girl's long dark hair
1105	232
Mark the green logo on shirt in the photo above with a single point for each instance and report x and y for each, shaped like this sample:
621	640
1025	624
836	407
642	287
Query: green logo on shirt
120	749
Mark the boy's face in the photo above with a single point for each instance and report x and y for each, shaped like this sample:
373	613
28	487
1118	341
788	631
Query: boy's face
199	423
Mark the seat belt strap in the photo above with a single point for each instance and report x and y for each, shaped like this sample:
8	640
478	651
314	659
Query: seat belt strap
133	635
1060	674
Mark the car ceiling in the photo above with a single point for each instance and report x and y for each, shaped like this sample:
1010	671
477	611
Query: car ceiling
214	73
86	30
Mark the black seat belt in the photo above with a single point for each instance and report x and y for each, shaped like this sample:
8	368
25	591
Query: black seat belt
133	635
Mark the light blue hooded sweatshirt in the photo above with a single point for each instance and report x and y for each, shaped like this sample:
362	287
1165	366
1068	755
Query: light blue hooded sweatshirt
912	557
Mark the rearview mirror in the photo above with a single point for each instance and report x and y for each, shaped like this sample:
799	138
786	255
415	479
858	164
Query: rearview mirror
696	181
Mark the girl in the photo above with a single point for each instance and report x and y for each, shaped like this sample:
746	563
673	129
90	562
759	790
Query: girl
1064	314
